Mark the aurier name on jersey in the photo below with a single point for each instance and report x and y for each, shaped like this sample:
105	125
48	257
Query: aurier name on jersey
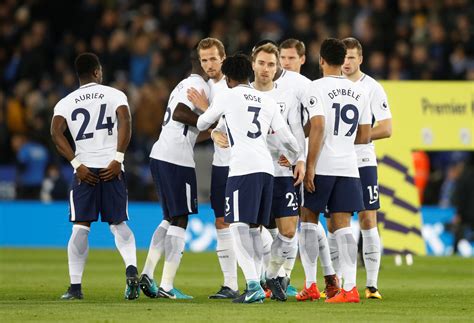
345	105
249	114
90	113
289	109
176	142
221	156
380	110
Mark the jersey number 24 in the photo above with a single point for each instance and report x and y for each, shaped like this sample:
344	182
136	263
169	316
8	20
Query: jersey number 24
81	135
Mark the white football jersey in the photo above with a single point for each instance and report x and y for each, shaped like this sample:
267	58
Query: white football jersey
380	110
288	105
221	155
299	83
249	114
176	142
90	113
345	105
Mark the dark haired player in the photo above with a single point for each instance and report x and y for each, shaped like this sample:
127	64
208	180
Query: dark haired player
340	116
99	121
249	114
173	170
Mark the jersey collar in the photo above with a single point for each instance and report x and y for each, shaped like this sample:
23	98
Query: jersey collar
87	85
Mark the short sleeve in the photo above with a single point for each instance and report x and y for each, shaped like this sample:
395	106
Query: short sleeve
121	99
366	115
60	109
314	102
379	104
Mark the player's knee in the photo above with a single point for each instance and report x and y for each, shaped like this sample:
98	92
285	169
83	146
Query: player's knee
367	220
221	224
288	232
180	221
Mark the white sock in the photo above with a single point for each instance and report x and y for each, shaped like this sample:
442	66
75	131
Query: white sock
257	249
77	251
125	242
267	241
156	249
324	255
227	260
371	250
347	256
334	254
174	247
243	248
281	248
291	258
273	232
308	243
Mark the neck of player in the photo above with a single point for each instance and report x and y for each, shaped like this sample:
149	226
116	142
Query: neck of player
329	70
87	80
263	86
354	77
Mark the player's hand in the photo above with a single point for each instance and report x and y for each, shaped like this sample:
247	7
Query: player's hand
282	161
220	138
309	180
113	170
85	175
197	98
299	172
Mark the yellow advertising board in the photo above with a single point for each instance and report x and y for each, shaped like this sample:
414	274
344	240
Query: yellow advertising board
426	116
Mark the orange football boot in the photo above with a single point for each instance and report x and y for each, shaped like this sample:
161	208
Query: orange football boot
310	293
344	296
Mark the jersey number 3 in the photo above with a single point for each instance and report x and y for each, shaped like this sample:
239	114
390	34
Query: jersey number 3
255	121
81	135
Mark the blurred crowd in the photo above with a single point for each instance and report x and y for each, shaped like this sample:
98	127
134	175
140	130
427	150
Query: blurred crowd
144	47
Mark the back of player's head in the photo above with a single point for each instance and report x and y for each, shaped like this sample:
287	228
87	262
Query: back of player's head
237	68
263	42
86	64
210	42
294	43
352	43
333	51
194	59
268	48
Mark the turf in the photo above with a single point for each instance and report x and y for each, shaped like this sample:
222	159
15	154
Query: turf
31	281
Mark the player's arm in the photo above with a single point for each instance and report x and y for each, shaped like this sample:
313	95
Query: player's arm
219	135
199	99
316	136
124	128
382	130
58	126
363	130
208	118
182	113
294	121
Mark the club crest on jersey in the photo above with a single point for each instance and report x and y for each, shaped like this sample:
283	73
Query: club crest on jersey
384	105
282	106
312	101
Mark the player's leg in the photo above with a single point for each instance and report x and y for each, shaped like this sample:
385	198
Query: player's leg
249	199
224	248
330	278
157	243
181	201
285	212
114	210
174	248
368	226
82	211
308	238
345	199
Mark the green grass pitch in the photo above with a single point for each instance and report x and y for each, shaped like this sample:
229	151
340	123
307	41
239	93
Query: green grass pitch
32	280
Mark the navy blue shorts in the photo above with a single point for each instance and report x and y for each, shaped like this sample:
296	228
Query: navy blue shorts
335	194
107	198
285	199
249	198
218	181
370	187
176	187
